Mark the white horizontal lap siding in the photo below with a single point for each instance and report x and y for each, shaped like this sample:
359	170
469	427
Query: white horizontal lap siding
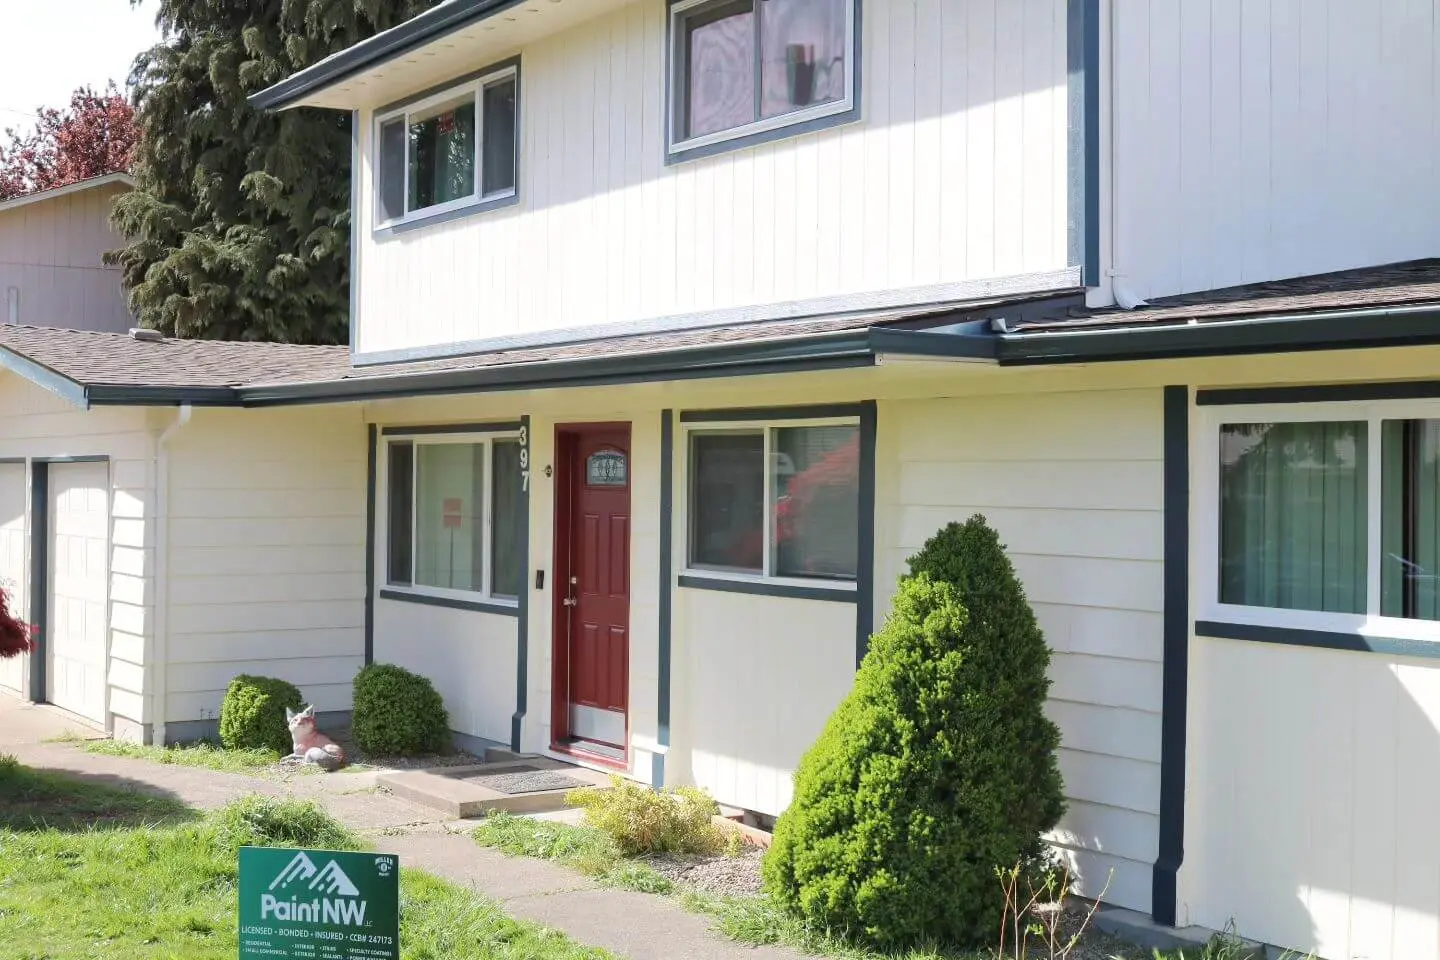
468	655
955	173
52	253
763	674
266	563
37	423
1073	484
1272	138
1310	818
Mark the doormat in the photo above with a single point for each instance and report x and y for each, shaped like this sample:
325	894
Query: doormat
526	780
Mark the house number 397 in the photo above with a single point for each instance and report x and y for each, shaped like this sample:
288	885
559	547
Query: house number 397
525	459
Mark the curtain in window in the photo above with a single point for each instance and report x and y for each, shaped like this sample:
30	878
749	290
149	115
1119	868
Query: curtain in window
1410	511
1293	515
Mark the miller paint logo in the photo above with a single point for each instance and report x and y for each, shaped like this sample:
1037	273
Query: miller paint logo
305	893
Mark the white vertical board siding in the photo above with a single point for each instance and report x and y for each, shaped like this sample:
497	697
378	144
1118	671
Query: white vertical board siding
1310	818
14	497
468	655
39	424
266	561
955	173
52	252
1272	138
1073	484
763	674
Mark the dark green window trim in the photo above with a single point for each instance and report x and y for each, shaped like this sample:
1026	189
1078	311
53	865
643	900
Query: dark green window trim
480	606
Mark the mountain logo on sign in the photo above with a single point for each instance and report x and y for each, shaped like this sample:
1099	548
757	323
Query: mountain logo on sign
302	871
305	894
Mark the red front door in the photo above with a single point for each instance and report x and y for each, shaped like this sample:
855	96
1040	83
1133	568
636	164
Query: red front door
592	588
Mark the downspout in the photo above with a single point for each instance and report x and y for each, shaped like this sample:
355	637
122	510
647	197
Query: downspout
162	571
1125	298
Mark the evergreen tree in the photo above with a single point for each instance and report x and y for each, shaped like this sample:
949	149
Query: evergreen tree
936	771
239	227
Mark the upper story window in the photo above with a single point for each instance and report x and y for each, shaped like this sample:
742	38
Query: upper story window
743	70
453	151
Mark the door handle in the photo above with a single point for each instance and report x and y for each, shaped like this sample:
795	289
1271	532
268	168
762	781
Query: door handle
569	601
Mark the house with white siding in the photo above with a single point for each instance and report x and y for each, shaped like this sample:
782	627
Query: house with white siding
52	257
678	326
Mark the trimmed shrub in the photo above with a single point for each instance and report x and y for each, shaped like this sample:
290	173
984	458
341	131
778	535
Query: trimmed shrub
937	771
252	715
398	713
641	820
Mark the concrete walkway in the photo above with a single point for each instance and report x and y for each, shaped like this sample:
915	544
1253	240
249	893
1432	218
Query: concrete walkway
635	925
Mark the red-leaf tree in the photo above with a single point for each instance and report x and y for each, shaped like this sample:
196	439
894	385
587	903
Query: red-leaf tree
94	136
14	633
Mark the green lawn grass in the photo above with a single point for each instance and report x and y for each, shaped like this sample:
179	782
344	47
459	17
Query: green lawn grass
583	849
209	756
131	885
750	919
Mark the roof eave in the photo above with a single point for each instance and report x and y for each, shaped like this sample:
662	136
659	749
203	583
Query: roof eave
379	49
1277	333
821	352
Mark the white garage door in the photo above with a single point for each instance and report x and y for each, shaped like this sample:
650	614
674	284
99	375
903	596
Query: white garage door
12	563
79	587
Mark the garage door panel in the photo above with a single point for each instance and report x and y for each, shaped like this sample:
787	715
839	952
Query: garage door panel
79	587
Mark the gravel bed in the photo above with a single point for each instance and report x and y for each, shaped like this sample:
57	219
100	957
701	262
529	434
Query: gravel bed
737	876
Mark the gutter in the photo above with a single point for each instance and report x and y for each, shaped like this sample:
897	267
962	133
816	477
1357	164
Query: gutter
392	44
162	569
1284	333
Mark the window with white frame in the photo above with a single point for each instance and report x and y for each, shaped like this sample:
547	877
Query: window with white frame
455	516
741	67
775	501
450	151
1328	515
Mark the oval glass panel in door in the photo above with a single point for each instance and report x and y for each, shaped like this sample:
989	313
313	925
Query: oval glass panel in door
605	468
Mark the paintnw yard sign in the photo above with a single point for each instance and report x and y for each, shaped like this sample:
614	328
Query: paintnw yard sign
318	905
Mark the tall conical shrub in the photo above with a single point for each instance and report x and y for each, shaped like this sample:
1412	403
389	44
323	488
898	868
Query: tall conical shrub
937	769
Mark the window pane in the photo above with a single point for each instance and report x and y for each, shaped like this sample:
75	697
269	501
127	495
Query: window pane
442	153
392	169
1410	519
719	71
803	52
498	169
816	484
727	500
449	495
1293	515
508	507
400	479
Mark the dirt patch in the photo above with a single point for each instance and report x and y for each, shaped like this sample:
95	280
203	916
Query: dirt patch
737	876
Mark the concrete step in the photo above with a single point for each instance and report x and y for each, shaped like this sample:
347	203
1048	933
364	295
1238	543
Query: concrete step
519	785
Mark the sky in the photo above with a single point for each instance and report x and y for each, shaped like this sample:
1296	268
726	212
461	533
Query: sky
54	46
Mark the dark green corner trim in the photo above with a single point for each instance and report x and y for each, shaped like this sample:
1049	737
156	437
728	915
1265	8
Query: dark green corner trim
39	575
508	426
497	607
373	447
865	570
1320	393
1175	670
522	625
767	588
667	586
1082	39
1318	639
737	414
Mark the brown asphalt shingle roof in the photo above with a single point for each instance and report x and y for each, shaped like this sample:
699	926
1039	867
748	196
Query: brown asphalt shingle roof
1397	284
92	358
